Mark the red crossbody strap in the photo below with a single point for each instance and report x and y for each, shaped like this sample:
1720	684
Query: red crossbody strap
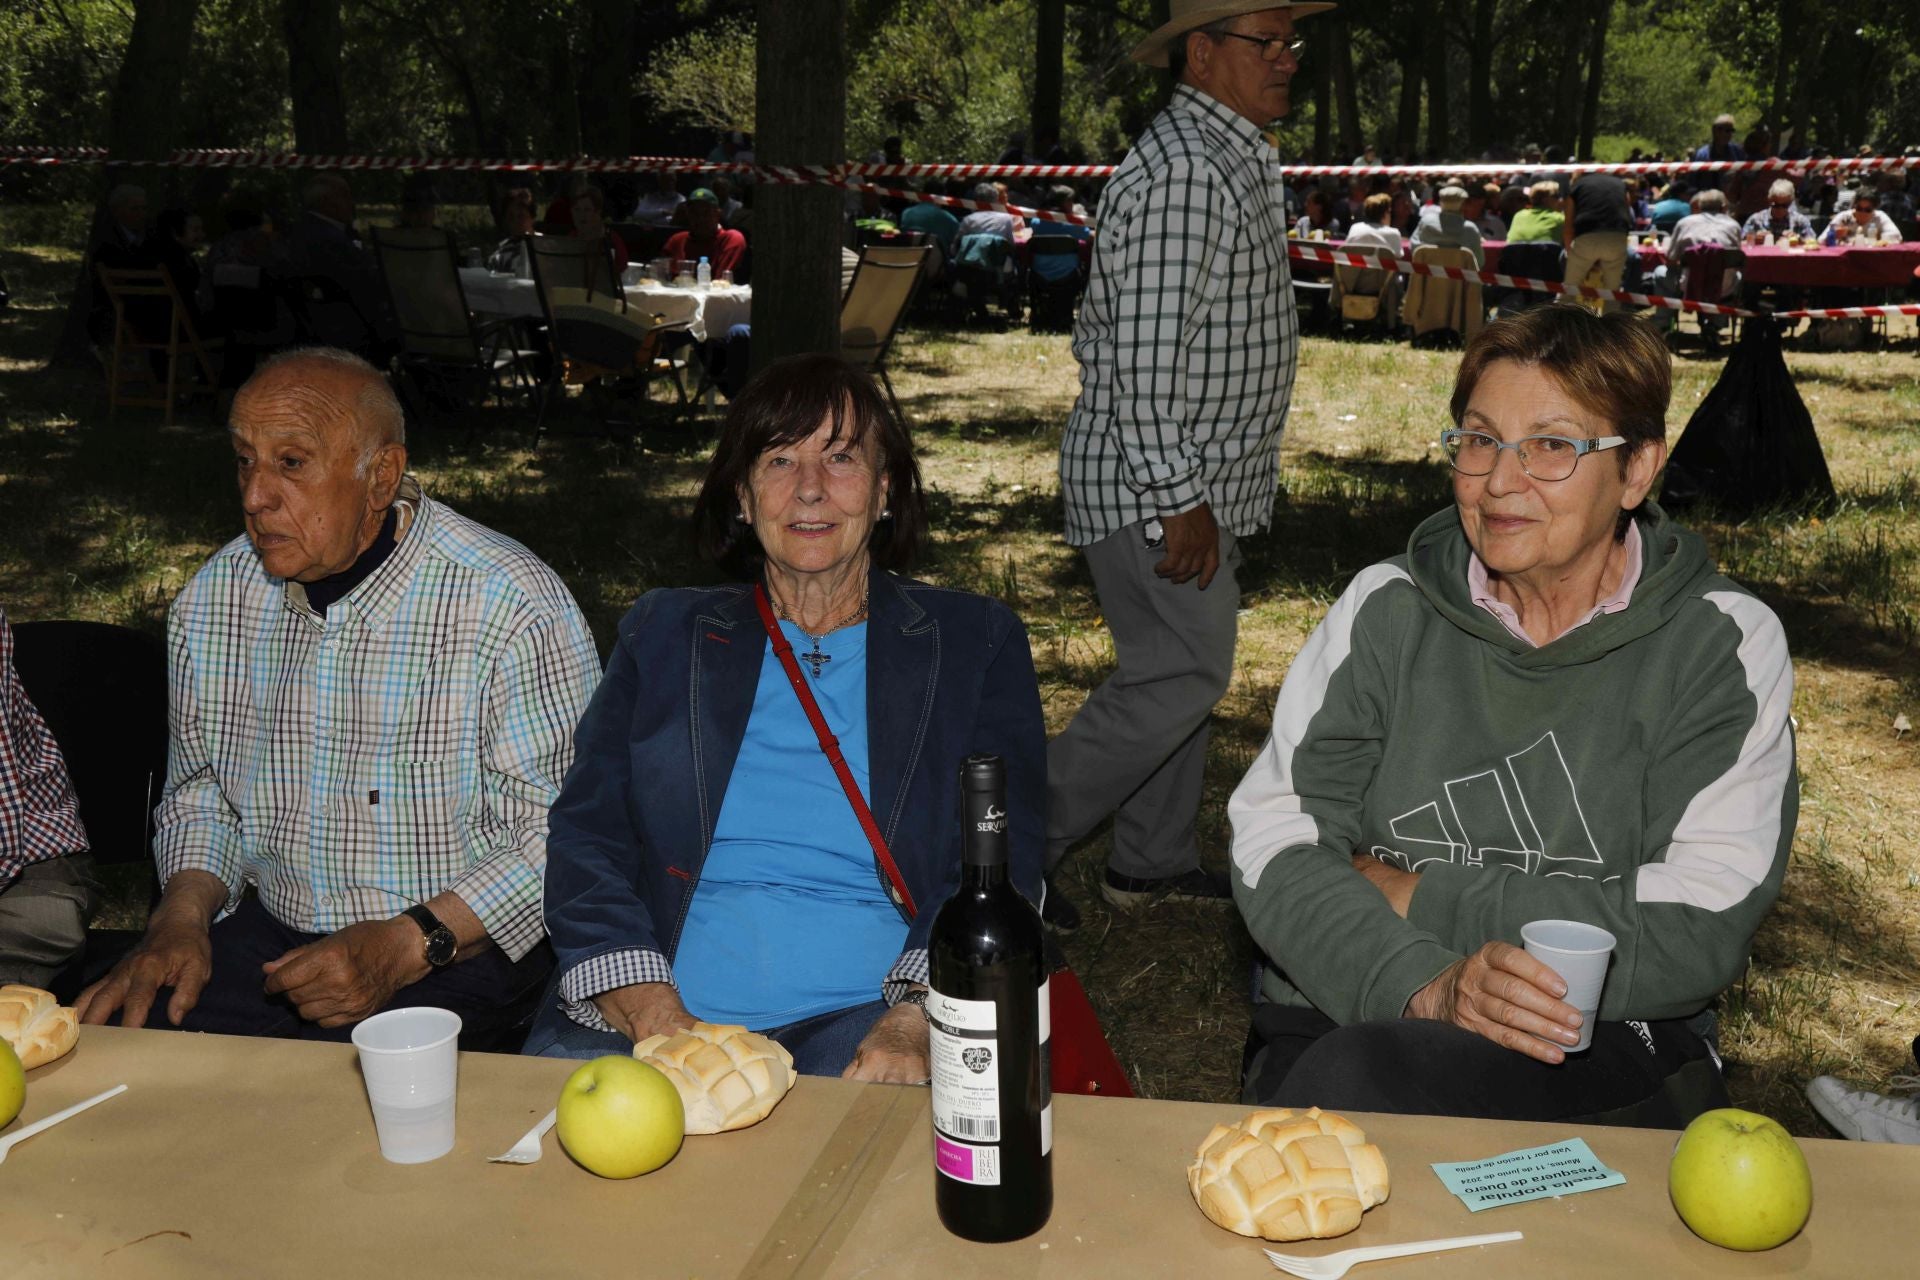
830	745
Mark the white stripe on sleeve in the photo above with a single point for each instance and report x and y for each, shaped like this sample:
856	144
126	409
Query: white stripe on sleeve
1725	842
1265	809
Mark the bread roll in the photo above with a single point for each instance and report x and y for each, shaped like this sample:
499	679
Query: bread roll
728	1077
1288	1175
36	1025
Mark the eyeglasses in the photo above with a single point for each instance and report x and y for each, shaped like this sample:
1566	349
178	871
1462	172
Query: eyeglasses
1474	453
1270	46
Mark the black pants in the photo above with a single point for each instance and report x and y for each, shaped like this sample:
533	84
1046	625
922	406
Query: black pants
493	995
1648	1074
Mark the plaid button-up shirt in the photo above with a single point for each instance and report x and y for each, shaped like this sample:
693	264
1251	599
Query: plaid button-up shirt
1187	339
39	813
408	742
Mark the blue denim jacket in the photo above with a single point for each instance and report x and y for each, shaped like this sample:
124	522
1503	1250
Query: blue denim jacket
949	674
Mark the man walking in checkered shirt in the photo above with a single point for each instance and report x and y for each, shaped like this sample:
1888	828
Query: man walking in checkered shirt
1187	343
371	707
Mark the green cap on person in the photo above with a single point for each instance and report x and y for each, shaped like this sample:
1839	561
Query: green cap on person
704	195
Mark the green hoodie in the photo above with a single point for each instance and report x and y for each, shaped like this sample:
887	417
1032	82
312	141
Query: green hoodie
1637	773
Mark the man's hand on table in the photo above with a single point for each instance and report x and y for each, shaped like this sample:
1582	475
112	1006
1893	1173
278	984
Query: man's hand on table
894	1051
644	1009
1506	995
350	974
1397	885
175	952
1192	546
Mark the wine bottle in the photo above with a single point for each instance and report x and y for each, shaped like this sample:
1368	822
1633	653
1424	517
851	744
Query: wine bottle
989	1016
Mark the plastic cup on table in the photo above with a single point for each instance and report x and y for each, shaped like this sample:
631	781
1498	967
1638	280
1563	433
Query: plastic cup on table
1579	954
411	1061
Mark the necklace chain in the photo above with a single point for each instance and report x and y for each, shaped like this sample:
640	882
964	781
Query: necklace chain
849	620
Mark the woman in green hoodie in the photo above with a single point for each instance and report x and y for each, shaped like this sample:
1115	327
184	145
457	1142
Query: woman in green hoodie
1551	707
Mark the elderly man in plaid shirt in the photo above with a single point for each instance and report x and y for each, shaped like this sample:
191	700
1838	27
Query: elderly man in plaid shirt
45	872
1187	343
372	707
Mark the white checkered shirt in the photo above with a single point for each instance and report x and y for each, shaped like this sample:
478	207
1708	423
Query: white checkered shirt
39	812
1187	339
409	742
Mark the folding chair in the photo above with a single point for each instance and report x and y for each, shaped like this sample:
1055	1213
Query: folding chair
102	691
1535	260
596	340
883	289
1366	295
442	350
137	294
1712	274
1438	304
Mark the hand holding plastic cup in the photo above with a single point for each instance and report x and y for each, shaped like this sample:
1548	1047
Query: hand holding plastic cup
410	1058
1579	954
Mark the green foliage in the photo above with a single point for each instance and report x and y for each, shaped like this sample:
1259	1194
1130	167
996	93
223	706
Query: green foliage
706	78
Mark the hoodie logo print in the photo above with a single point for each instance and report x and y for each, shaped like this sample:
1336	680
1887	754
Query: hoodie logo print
1489	818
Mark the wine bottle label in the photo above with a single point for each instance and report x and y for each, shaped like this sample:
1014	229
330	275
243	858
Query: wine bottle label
965	1047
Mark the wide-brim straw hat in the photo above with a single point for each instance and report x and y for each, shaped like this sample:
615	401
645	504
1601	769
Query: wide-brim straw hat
1190	15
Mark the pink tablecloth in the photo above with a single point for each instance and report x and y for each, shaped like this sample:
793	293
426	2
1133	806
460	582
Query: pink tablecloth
1879	267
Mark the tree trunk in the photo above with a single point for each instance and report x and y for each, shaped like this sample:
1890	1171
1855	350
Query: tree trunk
1320	34
800	117
1566	95
1787	19
313	76
606	98
1438	126
1406	132
139	127
1596	62
1343	89
1800	110
1049	51
1480	79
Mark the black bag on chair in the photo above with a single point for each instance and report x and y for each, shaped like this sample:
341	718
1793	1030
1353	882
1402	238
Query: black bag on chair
1751	443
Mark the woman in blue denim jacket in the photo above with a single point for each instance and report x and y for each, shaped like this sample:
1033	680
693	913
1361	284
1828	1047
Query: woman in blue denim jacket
704	860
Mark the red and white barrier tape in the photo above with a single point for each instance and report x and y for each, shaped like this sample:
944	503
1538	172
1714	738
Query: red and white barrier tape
1340	257
256	159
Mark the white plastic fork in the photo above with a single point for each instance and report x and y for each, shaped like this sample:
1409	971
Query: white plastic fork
40	1126
1335	1265
527	1150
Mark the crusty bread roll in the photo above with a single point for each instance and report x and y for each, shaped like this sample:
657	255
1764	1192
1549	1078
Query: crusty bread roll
728	1077
1288	1175
36	1025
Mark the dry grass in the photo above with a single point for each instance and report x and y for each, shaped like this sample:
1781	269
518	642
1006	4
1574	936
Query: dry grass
107	521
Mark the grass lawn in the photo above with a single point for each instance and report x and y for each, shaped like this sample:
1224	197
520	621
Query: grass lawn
107	521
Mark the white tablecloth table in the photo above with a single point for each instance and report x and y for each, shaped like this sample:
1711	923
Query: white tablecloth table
710	312
497	294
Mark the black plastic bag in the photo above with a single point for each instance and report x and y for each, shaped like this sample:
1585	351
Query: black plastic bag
1751	443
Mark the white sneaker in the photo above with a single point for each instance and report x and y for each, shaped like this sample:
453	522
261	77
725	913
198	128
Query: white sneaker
1863	1115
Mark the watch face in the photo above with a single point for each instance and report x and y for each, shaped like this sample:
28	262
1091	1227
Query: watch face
440	947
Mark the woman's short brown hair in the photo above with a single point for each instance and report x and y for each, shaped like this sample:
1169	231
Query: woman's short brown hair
1376	207
784	405
1614	366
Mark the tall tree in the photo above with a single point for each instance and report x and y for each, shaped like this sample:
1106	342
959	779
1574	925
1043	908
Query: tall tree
1438	126
606	101
1351	143
1406	132
1320	38
139	127
800	116
1480	78
1050	52
1596	64
313	76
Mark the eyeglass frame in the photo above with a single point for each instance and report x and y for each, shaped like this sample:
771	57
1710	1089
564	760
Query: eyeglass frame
1294	45
1581	448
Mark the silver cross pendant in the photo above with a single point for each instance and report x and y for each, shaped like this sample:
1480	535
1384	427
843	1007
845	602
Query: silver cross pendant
816	657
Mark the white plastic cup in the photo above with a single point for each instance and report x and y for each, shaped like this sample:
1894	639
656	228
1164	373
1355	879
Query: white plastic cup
1579	954
411	1061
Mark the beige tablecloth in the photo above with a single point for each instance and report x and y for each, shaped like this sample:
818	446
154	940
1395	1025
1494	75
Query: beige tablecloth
232	1157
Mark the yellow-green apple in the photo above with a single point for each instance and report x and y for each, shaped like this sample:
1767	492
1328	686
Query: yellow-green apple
13	1084
1739	1180
619	1117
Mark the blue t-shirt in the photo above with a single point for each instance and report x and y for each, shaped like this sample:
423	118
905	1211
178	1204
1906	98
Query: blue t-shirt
933	220
789	919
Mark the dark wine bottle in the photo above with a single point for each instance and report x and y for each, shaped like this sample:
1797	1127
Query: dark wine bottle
989	1033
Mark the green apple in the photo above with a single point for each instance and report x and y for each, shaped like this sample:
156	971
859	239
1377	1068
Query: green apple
620	1118
13	1084
1739	1180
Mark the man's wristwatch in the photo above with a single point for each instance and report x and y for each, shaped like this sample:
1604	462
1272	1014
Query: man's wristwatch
439	944
917	997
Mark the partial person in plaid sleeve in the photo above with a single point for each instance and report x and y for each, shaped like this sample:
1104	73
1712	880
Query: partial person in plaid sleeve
45	870
372	707
1187	343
